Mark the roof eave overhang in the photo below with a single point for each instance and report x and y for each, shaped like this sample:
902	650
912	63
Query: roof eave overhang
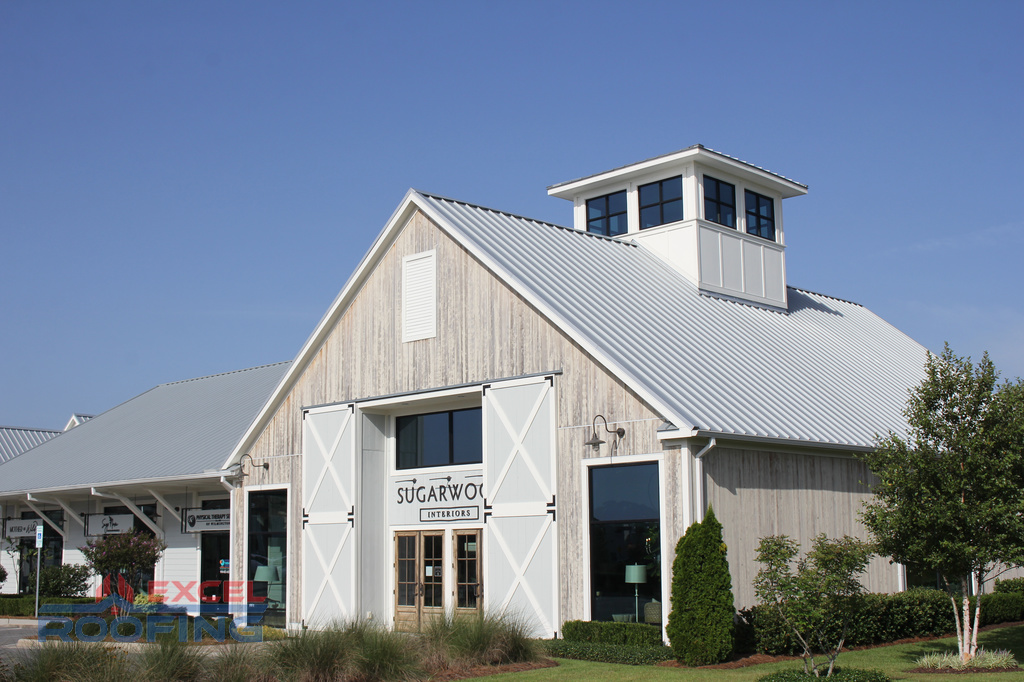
86	488
669	435
784	186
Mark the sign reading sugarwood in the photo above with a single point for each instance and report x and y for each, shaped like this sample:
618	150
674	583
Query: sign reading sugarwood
437	497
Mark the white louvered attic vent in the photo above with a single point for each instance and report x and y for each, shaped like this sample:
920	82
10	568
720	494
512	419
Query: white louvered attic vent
419	296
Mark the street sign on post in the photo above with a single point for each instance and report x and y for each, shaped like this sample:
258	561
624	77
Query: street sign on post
39	557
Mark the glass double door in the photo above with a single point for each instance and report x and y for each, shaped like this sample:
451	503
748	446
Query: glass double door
429	579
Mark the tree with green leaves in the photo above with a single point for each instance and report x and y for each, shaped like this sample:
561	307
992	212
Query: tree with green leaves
950	494
700	625
818	600
128	554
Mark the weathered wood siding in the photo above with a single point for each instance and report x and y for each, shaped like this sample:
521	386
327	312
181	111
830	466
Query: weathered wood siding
485	332
758	492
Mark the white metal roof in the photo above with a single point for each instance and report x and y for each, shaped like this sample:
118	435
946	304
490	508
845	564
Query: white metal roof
827	372
15	440
177	429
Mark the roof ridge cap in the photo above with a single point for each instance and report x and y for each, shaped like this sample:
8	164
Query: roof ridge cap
438	197
221	374
30	428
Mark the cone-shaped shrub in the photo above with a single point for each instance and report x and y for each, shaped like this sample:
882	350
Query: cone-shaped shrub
701	623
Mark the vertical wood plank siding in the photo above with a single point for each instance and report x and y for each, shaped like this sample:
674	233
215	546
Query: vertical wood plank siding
756	493
485	332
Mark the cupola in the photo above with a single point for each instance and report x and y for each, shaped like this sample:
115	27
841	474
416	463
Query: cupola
716	219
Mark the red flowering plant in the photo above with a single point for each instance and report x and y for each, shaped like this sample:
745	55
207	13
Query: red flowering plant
124	556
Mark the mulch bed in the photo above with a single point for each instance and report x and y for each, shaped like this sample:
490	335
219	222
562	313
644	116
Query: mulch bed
484	670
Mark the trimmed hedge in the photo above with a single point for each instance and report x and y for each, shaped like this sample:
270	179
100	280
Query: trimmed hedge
1009	585
608	653
919	612
617	634
26	606
838	675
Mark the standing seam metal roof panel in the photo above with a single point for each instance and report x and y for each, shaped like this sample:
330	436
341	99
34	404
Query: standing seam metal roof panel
176	429
827	371
15	440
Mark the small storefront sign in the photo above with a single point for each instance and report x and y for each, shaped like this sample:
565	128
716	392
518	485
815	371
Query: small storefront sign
108	524
20	529
450	514
200	520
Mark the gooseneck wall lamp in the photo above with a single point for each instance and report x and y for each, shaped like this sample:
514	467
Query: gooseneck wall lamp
595	442
241	465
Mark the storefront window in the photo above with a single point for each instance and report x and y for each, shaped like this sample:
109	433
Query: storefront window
268	551
625	529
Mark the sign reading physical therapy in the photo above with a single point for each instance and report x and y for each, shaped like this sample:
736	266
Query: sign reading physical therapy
437	497
199	520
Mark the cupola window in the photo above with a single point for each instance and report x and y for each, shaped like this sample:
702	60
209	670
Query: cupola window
760	213
719	202
661	202
607	215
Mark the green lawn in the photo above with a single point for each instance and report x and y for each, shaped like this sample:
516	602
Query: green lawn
894	660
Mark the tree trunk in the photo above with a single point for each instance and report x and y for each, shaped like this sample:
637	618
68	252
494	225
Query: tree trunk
965	646
959	631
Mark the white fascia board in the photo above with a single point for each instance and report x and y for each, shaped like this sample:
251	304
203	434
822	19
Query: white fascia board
326	324
85	488
576	335
787	188
681	435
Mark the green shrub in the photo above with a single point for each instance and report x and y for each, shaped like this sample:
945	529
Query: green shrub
3	577
600	632
700	626
383	655
608	653
26	605
838	675
66	580
1001	607
1002	586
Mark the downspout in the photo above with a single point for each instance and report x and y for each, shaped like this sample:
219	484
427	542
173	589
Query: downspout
698	476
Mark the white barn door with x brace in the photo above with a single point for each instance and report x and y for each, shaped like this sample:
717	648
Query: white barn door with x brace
328	515
521	566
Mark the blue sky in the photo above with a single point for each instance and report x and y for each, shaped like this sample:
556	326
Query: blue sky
185	186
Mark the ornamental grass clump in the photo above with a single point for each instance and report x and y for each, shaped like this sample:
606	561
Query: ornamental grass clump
313	656
983	660
171	661
456	641
71	661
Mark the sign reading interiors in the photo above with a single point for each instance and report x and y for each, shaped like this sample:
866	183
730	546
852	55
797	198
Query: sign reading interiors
436	497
